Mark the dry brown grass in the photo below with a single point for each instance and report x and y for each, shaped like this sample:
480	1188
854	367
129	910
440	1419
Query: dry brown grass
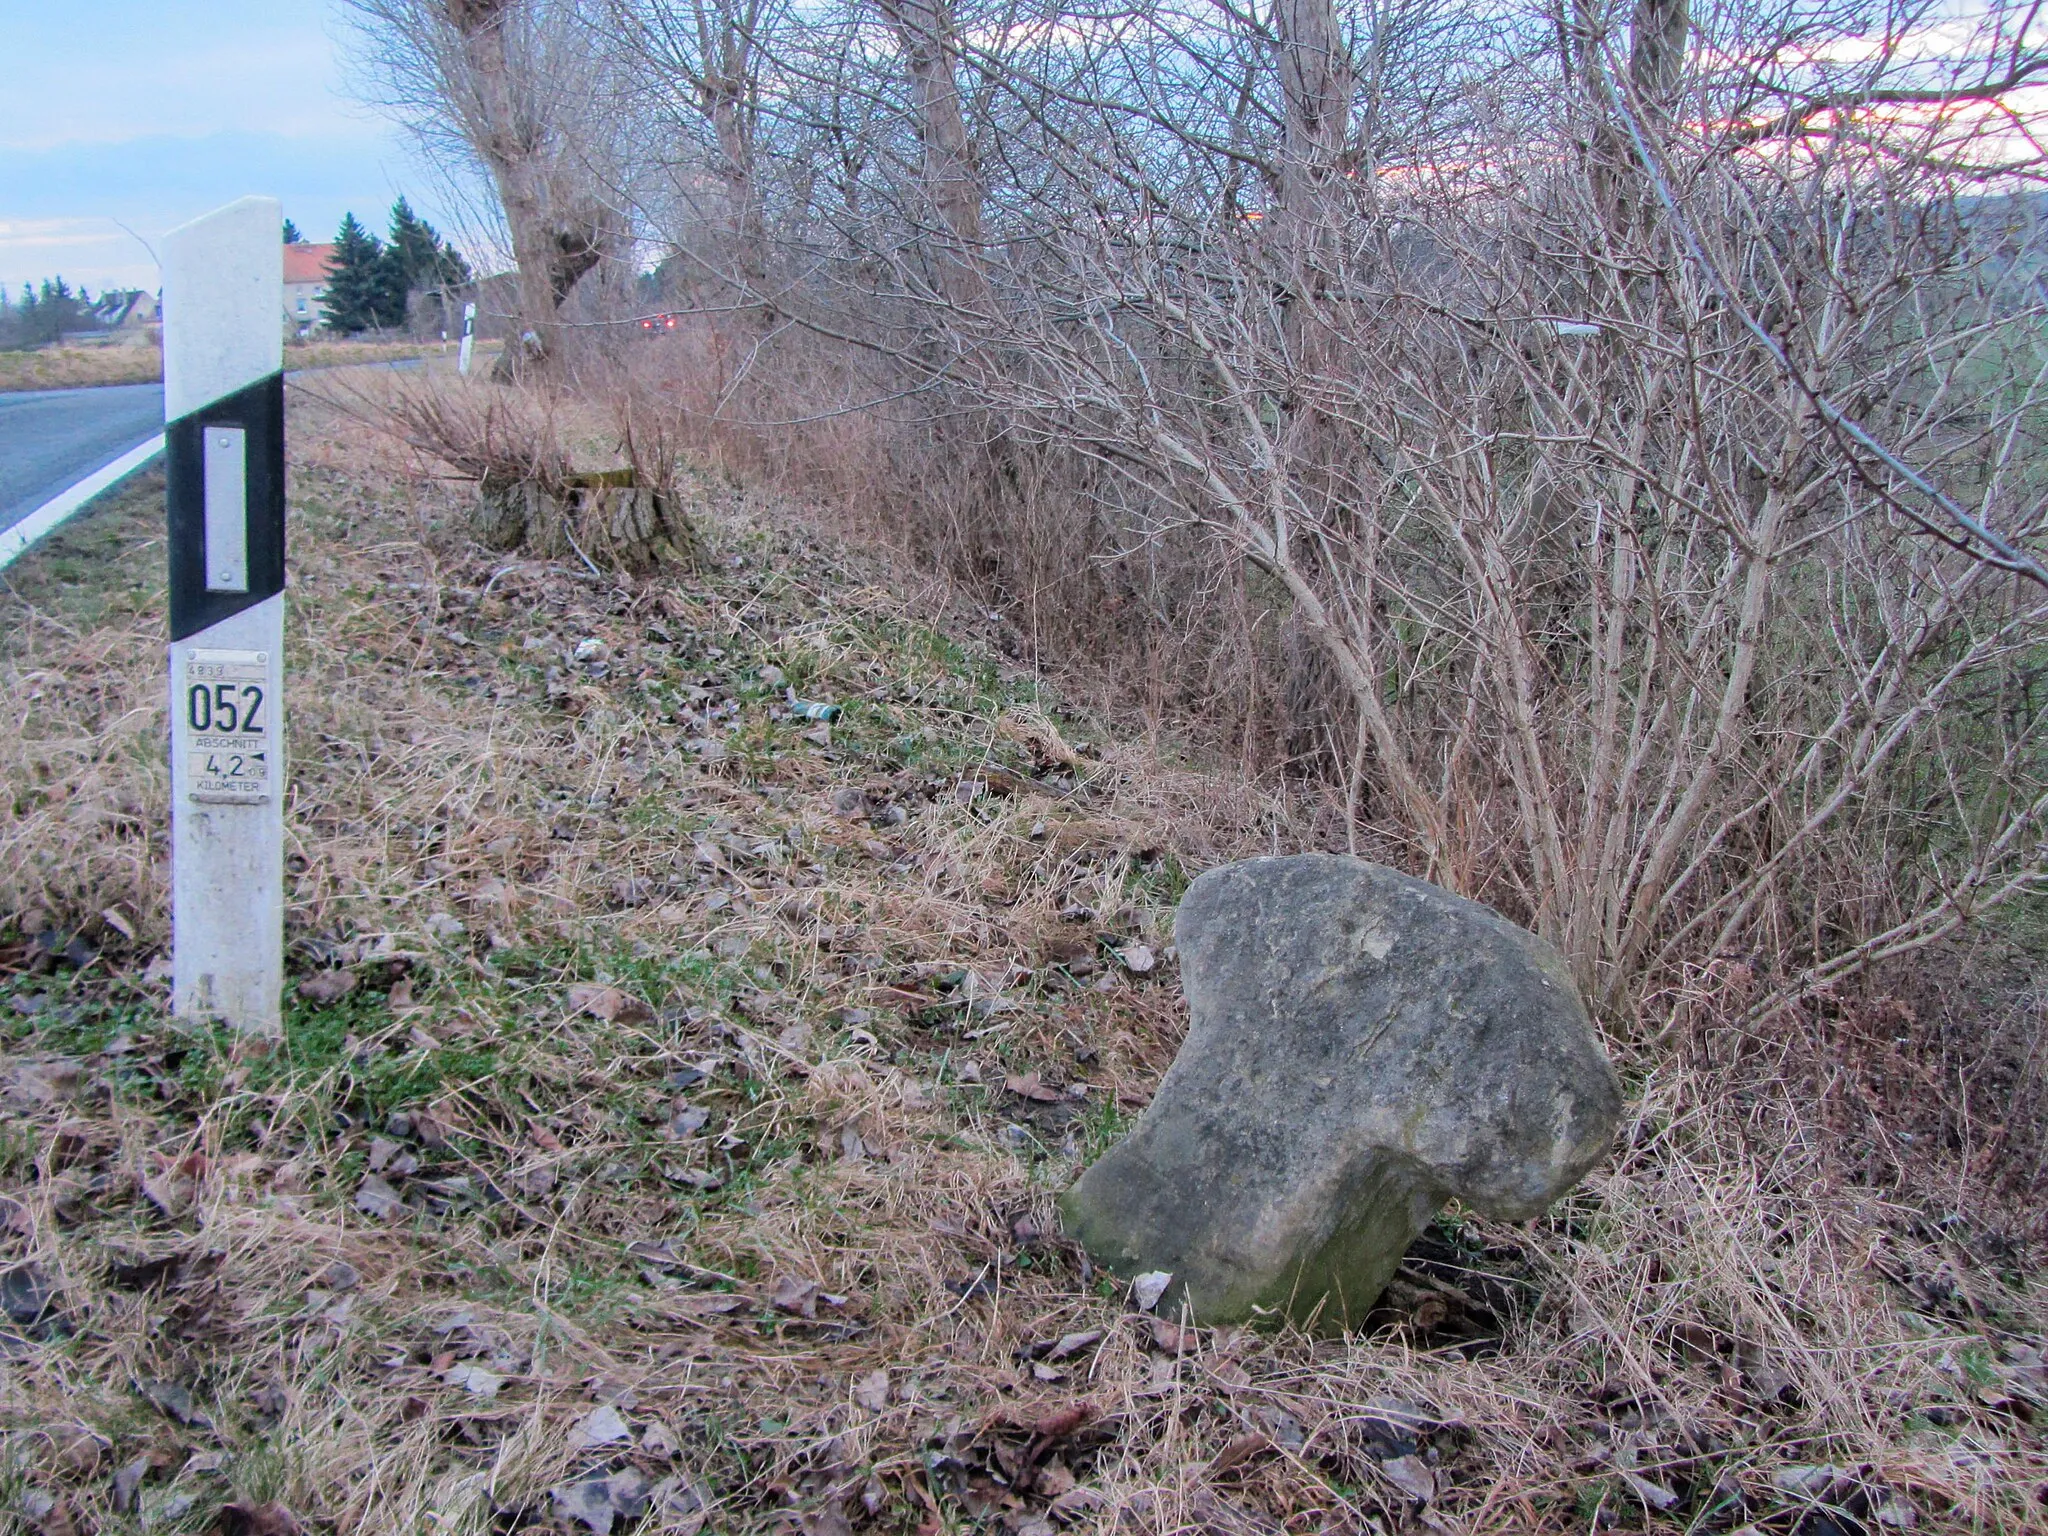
341	354
560	902
80	367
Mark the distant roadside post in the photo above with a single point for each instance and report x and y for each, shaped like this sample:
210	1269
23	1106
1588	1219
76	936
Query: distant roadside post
224	460
468	336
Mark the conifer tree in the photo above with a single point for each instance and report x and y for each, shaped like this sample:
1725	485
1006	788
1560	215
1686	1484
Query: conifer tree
355	296
416	260
292	235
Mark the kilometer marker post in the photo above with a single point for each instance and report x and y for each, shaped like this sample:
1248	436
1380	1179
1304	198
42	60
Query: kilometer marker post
224	462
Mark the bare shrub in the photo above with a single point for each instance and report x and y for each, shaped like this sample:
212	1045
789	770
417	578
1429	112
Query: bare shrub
1738	1300
1577	466
1604	444
546	473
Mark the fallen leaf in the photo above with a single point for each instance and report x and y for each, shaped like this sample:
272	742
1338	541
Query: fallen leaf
323	989
1074	1503
797	1297
1138	959
128	1481
688	1122
1284	1427
44	1082
58	1519
828	1519
1027	1086
1812	1482
708	1303
872	1391
250	1519
1074	1343
1655	1495
169	1508
604	1426
474	1380
1173	1338
1062	1422
340	1276
1230	1376
399	998
1239	1451
662	1253
174	1186
608	1004
1411	1474
82	1451
598	1500
377	1199
26	1293
174	1400
1147	1288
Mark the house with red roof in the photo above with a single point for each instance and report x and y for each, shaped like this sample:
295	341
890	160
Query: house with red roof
305	283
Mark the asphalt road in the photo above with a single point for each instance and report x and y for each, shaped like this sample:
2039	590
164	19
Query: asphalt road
50	439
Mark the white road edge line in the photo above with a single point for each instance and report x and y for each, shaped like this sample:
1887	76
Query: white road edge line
16	540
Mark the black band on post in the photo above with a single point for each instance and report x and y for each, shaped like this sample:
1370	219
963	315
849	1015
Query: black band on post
259	411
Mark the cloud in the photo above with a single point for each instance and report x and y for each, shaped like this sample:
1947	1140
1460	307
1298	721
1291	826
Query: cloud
62	203
94	253
275	84
159	110
138	68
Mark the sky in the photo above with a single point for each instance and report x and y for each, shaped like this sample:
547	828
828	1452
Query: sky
146	113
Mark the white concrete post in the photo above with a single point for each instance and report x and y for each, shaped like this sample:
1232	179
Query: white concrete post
224	452
468	336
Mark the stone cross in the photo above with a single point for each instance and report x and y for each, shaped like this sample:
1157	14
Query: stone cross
1362	1047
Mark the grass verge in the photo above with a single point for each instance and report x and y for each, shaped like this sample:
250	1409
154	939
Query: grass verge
675	1089
84	367
80	367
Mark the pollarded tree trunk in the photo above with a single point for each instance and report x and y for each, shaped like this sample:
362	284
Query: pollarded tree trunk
556	238
1656	56
1316	81
725	90
951	179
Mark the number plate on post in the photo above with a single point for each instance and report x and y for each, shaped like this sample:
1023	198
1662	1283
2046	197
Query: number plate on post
227	711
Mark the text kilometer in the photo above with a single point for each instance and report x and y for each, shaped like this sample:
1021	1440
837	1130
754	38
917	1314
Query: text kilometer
227	762
229	768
